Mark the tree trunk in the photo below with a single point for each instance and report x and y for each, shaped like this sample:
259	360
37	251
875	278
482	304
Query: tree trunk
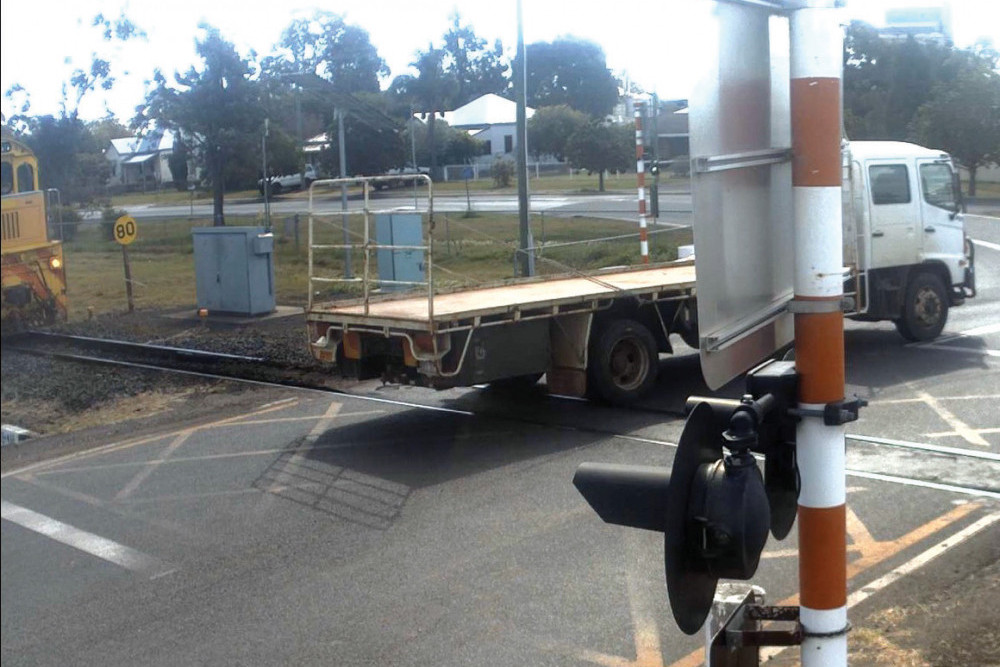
218	192
972	181
600	180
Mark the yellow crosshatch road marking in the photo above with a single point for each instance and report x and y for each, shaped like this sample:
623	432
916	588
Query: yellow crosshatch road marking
143	440
871	553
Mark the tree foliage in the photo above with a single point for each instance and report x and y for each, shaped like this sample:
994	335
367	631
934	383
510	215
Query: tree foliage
217	108
451	145
573	72
70	155
550	128
327	46
478	69
599	147
887	81
963	118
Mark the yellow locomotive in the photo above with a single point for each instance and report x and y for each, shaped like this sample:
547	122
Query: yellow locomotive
33	273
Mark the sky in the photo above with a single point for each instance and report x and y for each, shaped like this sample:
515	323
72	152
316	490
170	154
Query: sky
653	42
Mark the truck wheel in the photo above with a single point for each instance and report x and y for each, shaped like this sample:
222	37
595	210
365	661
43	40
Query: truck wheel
925	310
275	188
623	362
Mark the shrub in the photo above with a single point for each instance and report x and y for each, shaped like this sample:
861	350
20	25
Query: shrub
681	166
109	215
63	221
503	173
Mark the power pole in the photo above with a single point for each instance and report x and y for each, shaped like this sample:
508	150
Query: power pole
520	93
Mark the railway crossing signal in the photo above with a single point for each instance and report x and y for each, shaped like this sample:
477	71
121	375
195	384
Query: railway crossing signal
714	506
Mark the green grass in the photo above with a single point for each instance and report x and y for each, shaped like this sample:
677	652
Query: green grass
172	196
467	251
984	189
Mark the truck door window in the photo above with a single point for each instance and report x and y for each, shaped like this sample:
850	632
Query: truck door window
890	184
937	183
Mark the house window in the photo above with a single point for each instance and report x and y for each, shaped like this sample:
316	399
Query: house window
508	143
890	184
488	150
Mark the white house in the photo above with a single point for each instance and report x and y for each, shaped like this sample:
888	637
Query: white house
491	119
141	161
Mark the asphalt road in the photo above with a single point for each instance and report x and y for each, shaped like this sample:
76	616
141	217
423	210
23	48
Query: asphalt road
675	207
314	529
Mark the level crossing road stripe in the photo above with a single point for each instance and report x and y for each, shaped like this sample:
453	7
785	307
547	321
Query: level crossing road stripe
95	545
986	244
859	596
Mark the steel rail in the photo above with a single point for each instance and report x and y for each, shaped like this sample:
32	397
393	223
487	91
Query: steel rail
300	385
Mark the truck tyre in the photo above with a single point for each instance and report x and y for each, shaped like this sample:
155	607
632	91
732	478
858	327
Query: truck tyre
925	310
623	362
275	188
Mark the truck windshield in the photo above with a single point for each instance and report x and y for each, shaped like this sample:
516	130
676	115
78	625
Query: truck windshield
936	181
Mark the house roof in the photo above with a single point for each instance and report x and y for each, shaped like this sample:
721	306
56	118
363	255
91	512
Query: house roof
155	141
125	145
484	111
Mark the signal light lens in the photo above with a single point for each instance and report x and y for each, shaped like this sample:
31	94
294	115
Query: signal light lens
55	263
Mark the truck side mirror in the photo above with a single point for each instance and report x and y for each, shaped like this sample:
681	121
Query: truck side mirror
956	186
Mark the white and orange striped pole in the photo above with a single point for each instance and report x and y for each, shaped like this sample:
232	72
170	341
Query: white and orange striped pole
816	69
640	171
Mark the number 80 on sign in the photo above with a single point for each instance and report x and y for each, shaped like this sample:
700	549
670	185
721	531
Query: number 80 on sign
124	230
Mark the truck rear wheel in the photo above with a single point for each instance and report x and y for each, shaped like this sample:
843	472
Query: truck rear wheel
925	310
623	362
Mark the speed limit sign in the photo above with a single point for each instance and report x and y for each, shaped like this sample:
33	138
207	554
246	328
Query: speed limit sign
124	230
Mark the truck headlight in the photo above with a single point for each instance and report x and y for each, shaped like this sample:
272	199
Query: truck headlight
55	263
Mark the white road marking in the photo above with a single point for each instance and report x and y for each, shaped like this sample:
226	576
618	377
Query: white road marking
960	427
938	549
937	449
947	434
898	401
151	466
906	481
939	343
915	563
95	545
986	244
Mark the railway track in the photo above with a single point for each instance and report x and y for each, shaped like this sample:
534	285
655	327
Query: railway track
952	469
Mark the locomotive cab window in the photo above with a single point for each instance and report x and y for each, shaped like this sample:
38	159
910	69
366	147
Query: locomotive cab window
25	178
890	184
7	178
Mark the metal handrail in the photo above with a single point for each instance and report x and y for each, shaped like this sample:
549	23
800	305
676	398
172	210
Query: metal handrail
367	245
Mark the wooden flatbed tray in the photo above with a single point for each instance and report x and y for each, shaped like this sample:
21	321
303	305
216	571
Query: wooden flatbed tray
527	296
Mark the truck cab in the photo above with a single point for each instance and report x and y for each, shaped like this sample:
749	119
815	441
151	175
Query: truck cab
904	237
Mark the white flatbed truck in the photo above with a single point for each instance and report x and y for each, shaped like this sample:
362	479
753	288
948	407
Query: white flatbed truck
600	334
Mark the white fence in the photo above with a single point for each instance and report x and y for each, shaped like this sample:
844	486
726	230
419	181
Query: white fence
474	172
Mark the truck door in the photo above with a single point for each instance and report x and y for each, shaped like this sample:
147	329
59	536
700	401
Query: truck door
943	235
895	214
